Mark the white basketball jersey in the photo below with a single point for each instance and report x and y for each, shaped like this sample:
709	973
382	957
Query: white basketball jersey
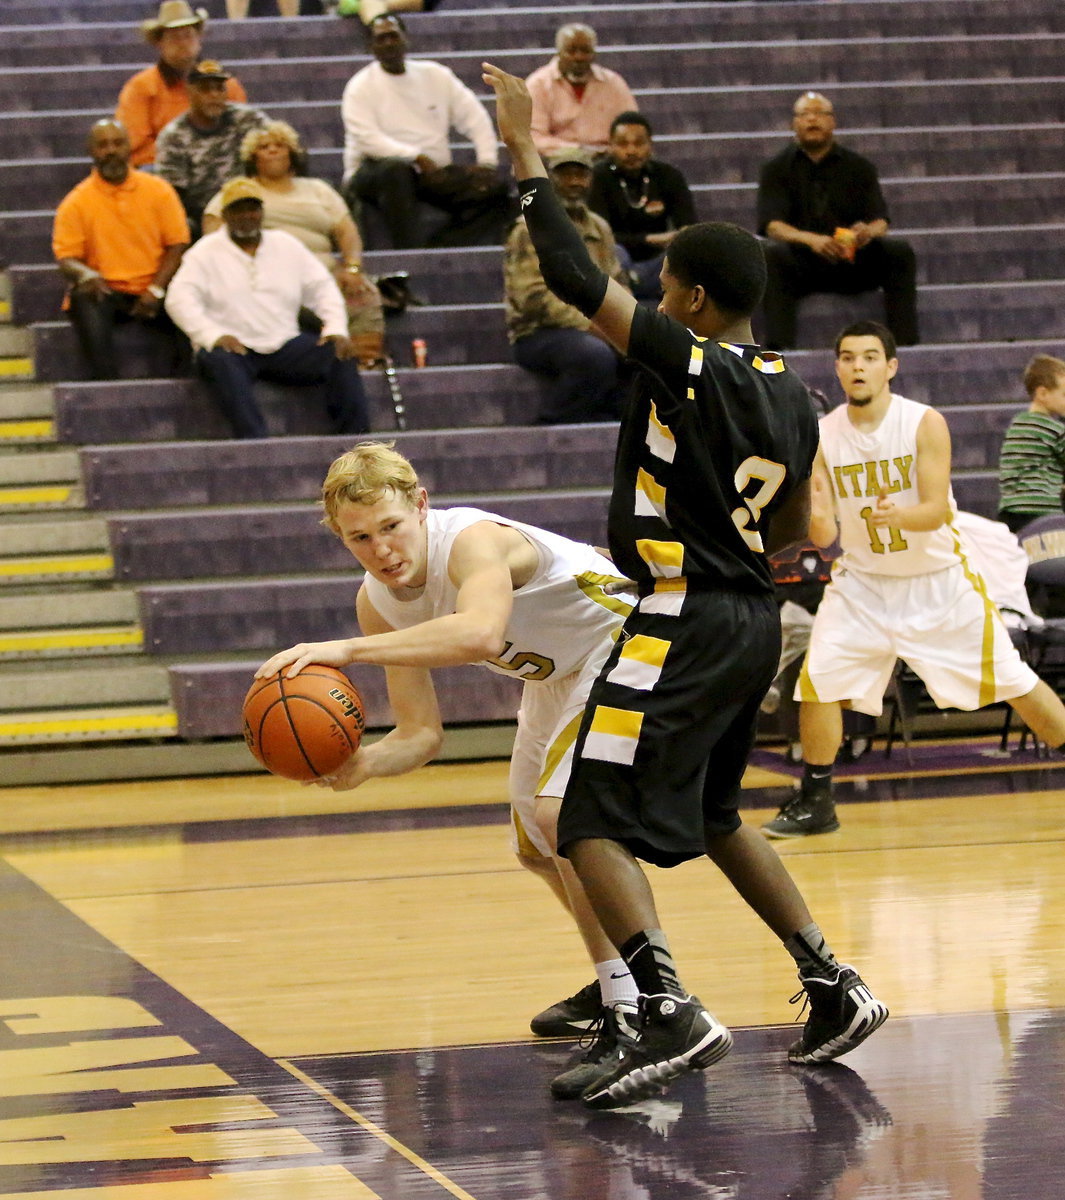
859	464
560	617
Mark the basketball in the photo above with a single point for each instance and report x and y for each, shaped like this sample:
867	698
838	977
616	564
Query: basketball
304	727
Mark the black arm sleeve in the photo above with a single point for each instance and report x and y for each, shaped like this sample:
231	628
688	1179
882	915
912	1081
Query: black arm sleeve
565	263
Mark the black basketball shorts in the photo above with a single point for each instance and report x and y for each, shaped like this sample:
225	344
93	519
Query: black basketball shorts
670	722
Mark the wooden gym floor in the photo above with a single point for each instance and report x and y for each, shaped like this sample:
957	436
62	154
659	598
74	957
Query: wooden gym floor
240	988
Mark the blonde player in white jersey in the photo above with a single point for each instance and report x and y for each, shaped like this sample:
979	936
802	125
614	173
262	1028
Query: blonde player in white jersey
903	586
444	587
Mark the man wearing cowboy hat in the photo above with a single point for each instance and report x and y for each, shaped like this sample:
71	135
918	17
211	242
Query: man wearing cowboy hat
238	296
200	150
158	94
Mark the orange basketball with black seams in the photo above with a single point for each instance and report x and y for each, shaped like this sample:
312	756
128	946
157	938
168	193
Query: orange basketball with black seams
304	727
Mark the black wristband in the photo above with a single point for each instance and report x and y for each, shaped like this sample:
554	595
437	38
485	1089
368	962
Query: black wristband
565	263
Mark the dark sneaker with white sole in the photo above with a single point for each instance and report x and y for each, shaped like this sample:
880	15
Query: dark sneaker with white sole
570	1017
804	814
675	1036
843	1013
613	1032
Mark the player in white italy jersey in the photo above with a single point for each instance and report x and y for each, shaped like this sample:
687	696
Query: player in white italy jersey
461	586
903	588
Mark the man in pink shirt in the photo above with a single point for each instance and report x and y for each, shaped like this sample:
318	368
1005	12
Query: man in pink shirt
155	96
574	99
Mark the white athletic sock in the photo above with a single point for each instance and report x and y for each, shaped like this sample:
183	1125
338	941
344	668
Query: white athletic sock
616	983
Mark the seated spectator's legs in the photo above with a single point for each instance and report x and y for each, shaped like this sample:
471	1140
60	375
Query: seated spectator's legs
231	378
583	374
302	361
891	264
644	274
793	271
788	272
94	319
390	185
477	214
645	281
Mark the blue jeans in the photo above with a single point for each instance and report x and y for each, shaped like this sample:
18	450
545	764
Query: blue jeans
645	272
581	372
231	378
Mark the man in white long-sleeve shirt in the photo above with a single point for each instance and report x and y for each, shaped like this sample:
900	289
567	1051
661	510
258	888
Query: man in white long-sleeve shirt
238	297
397	119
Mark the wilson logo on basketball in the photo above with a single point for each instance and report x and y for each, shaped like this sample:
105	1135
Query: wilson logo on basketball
351	709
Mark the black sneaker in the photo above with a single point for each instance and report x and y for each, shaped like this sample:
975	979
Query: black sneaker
613	1032
675	1036
570	1017
805	813
843	1013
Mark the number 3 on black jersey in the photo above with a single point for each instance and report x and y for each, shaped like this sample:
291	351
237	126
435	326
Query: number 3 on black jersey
769	475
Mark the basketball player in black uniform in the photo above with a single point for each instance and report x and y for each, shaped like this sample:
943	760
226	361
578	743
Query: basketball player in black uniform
712	475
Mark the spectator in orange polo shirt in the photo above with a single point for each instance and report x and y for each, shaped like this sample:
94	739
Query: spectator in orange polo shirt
118	239
155	96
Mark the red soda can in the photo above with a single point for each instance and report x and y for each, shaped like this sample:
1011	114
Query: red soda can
418	352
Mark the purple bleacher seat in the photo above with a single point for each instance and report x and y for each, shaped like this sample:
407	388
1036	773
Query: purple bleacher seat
208	696
143	352
178	474
260	615
283	538
159	410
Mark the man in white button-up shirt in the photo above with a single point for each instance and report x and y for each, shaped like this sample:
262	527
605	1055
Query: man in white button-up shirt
238	296
397	117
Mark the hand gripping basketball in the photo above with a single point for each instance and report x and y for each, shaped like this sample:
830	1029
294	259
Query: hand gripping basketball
305	727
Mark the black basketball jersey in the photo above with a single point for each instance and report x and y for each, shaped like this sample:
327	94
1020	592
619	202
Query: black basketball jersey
714	439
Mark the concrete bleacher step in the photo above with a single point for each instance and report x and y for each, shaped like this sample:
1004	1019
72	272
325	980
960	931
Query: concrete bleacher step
25	402
64	725
14	341
36	549
102	683
35	481
63	624
66	642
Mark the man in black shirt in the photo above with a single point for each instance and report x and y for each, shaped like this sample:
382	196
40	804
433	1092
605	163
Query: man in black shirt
645	201
821	207
712	473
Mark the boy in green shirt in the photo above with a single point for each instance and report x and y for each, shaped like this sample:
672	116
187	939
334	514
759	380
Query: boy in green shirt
1032	461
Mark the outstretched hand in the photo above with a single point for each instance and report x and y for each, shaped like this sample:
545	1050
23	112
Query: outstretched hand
329	654
513	104
885	513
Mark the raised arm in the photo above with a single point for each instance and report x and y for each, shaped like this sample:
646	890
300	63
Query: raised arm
564	260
